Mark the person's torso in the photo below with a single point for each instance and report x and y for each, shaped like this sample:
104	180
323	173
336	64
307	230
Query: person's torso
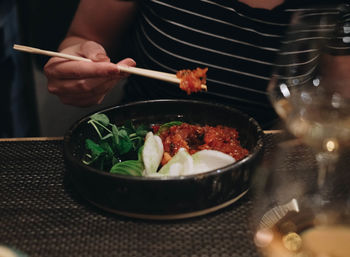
237	43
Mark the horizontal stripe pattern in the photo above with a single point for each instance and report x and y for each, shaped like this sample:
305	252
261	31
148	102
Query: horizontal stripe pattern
316	32
238	44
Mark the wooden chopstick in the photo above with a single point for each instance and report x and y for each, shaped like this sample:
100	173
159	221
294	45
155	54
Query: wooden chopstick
164	76
48	53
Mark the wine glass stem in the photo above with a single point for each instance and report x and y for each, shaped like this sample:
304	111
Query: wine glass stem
326	165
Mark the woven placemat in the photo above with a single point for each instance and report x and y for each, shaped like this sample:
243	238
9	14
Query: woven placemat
41	215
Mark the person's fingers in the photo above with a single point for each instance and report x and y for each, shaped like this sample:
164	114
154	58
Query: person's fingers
66	69
83	99
94	51
83	86
81	83
126	62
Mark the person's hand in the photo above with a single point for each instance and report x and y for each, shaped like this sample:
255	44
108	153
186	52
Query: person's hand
81	83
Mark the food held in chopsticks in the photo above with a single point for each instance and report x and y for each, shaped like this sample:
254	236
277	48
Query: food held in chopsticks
171	149
192	80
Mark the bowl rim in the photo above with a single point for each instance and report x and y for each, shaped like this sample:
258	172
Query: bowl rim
252	155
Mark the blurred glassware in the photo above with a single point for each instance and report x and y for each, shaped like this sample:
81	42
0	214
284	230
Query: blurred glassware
292	216
302	204
310	88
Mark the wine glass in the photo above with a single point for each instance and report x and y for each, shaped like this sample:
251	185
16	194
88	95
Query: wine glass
310	87
302	203
291	216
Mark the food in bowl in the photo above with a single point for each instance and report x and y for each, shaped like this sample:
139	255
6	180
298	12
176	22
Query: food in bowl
174	148
165	197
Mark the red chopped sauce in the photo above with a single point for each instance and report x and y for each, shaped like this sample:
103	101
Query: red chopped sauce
192	80
195	138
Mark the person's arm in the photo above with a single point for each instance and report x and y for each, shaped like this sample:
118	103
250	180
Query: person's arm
97	25
102	21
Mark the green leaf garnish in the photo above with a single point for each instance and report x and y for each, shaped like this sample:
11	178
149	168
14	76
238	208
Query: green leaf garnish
168	125
114	144
130	167
118	149
101	118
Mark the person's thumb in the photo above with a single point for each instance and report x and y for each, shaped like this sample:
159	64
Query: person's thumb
94	51
127	62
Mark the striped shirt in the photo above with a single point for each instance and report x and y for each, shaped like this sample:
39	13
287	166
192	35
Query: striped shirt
237	43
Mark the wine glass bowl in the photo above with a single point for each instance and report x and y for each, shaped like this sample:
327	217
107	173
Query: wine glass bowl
310	86
302	197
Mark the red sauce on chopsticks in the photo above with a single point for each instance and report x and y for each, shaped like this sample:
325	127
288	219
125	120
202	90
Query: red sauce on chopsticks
192	80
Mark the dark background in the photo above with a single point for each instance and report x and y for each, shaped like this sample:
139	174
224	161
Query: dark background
44	24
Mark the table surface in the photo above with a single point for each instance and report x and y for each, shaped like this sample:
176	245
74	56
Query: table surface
41	215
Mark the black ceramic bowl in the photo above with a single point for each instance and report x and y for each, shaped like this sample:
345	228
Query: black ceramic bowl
171	197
